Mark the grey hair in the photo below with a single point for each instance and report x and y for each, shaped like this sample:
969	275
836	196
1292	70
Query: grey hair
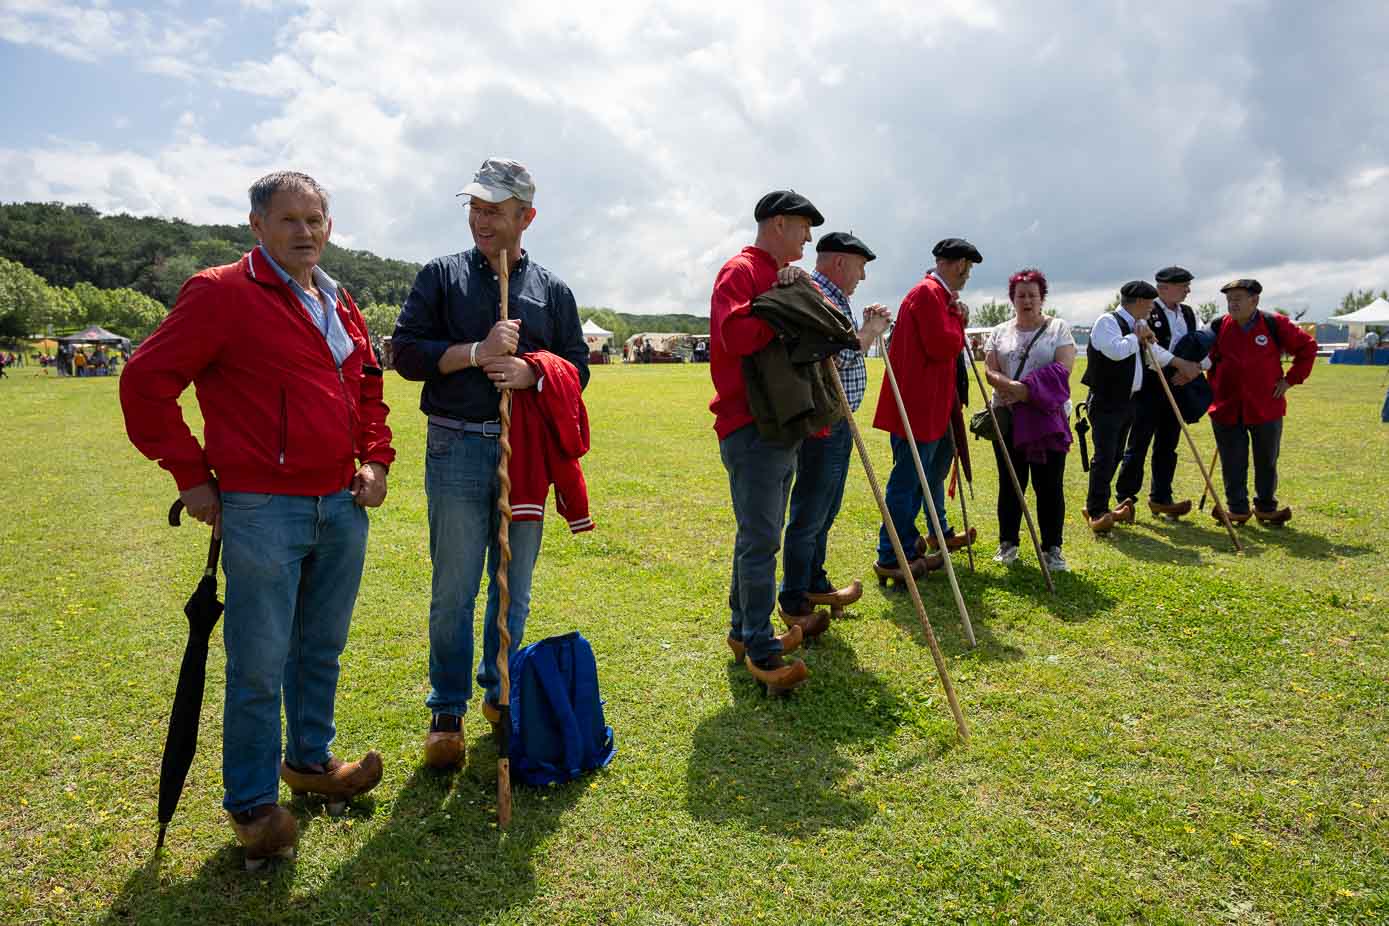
288	181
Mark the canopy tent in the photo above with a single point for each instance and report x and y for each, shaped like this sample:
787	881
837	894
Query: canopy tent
595	335
94	335
1376	313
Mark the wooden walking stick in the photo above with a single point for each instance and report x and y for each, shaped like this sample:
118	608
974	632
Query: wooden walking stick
1012	474
936	655
964	514
1215	458
1172	401
934	515
504	587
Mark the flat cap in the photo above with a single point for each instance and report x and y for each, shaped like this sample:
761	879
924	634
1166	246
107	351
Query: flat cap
1138	289
956	248
843	243
500	179
787	202
1246	284
1173	275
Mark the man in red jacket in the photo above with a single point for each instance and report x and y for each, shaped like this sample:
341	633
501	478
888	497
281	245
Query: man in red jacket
928	337
295	448
759	471
1249	384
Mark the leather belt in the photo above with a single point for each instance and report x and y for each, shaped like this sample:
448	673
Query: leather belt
484	428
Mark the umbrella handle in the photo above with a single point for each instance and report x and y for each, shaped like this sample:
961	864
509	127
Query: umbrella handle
214	548
175	510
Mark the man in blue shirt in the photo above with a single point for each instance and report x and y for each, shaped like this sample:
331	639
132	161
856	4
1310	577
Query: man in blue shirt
449	337
822	463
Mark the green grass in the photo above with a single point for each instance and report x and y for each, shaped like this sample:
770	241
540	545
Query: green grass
1180	735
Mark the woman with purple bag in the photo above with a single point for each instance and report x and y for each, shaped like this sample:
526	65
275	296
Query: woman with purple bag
1028	362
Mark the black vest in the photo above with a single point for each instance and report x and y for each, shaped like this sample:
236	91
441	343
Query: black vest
1110	381
1152	389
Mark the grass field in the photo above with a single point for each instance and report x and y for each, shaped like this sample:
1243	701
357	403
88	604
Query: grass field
1179	735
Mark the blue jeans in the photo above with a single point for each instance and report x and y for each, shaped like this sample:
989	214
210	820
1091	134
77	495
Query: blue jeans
460	479
904	497
293	564
821	468
759	479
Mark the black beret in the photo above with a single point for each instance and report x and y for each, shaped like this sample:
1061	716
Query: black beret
1138	289
1173	275
956	248
786	202
1251	286
843	243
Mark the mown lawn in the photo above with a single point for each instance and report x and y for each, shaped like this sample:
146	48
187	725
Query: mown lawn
1180	735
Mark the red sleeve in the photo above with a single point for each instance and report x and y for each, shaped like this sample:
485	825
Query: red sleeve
740	333
1301	345
373	434
940	335
186	342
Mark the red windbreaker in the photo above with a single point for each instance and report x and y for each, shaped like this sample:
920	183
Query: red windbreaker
549	432
279	416
734	334
1246	365
929	335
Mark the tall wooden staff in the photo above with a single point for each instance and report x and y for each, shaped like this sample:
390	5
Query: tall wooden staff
930	502
936	654
504	588
1012	473
1215	458
964	514
1205	474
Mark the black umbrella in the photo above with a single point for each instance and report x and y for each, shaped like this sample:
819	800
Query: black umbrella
202	610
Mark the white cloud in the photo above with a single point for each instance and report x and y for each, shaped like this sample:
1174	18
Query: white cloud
1099	146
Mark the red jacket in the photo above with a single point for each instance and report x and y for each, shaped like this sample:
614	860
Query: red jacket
1246	365
929	335
549	432
734	334
278	414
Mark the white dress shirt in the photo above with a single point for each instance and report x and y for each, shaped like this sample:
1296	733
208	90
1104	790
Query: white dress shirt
1176	323
1108	340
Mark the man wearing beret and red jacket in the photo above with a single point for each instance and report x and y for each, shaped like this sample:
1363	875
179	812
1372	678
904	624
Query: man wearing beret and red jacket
1249	383
295	448
928	337
759	471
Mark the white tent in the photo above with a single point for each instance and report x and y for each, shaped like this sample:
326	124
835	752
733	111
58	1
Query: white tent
1376	313
592	329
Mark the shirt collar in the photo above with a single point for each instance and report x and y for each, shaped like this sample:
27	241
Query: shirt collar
831	290
1120	310
480	259
940	279
322	280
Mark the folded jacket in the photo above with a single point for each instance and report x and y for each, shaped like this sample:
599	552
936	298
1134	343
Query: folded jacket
1040	424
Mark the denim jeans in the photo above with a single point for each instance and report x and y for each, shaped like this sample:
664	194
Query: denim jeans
460	480
759	480
821	468
293	564
1235	442
904	497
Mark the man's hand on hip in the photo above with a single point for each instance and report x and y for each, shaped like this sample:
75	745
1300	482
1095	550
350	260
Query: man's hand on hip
204	502
1281	388
509	373
368	487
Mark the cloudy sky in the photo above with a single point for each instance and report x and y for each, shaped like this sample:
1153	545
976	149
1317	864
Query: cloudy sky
1098	141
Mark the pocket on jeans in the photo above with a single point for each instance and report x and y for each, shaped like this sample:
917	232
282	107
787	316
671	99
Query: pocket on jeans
439	441
246	501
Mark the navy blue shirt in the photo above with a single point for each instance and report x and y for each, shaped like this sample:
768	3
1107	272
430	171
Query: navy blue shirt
455	299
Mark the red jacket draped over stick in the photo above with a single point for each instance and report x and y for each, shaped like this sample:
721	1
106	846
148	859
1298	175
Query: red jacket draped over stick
549	432
279	415
929	335
1246	365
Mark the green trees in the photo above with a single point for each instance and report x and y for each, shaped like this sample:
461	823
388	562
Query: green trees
28	306
1359	298
990	314
26	303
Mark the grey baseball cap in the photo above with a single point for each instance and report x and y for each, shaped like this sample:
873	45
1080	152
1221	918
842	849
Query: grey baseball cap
498	179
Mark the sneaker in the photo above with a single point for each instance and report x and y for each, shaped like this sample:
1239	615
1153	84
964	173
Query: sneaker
1055	561
1007	554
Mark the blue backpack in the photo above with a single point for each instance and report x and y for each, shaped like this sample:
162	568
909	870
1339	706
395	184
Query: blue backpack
557	726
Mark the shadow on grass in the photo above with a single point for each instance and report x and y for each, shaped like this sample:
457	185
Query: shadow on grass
1182	542
775	764
438	859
